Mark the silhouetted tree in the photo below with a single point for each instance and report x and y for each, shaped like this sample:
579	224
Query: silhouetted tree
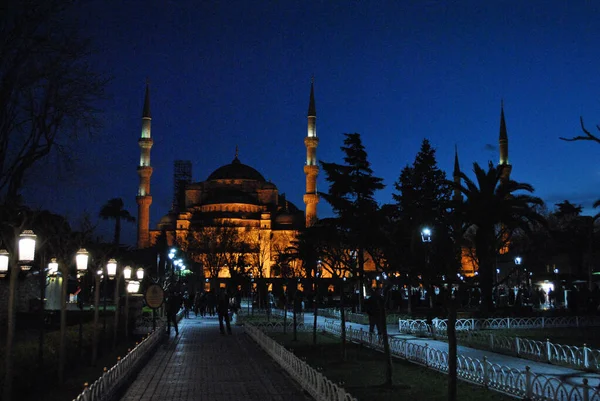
114	209
49	88
352	187
423	199
493	208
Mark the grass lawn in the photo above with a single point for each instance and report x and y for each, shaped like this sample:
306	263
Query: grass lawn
75	378
364	371
567	336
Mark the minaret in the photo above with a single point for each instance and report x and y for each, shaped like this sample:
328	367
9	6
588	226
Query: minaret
311	169
144	170
456	176
503	142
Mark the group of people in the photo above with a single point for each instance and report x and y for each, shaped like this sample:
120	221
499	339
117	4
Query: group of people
203	303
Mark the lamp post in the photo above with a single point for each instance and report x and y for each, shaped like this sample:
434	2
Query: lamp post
98	278
426	239
131	287
519	293
26	253
81	261
115	274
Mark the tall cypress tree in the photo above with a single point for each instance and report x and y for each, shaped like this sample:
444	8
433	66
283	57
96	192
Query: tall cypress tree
423	198
352	188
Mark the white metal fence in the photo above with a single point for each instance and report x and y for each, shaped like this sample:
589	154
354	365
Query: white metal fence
519	383
545	351
107	385
417	326
315	383
112	380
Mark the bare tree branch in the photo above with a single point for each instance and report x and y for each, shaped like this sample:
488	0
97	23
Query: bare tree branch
588	135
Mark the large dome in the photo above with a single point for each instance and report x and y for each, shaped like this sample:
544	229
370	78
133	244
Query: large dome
236	171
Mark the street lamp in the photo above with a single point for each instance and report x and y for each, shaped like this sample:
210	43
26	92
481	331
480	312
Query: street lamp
81	261
426	239
53	268
26	247
131	286
3	263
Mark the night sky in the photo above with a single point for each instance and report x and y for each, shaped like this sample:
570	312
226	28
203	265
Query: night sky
238	73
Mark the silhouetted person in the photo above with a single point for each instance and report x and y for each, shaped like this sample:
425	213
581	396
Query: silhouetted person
298	304
223	311
173	306
374	308
211	301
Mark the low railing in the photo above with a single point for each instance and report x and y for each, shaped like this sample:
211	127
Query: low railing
360	318
416	326
585	358
523	384
112	380
313	382
105	387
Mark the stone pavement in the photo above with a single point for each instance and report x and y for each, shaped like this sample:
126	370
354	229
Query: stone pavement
201	364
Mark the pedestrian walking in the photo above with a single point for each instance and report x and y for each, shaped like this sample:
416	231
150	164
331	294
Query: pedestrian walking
173	306
374	308
223	310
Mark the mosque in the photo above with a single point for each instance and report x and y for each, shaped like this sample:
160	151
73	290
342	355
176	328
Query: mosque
235	196
238	197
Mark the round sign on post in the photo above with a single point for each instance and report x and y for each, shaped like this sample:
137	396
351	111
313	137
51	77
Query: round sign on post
154	296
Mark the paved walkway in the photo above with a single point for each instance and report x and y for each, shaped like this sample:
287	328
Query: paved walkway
201	364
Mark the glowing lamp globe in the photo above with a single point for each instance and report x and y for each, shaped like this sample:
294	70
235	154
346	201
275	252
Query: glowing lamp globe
53	267
111	268
3	262
133	286
27	247
81	260
127	273
140	273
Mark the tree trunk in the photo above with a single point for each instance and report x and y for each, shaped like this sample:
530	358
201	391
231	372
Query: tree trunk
96	317
452	352
485	253
10	336
343	322
295	325
62	357
315	313
409	299
117	238
284	313
389	369
117	306
361	281
42	284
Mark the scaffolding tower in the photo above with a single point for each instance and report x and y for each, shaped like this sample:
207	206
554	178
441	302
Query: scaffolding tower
181	177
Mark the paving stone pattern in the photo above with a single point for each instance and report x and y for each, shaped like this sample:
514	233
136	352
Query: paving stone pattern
201	364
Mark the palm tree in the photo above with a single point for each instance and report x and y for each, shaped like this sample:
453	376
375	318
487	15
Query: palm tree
597	204
114	209
494	211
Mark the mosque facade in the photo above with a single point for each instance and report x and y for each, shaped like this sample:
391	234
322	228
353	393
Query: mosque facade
234	206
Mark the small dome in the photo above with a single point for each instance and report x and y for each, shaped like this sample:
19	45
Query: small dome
236	171
167	221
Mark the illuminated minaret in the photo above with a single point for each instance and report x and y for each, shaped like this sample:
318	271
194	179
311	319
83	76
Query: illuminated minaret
504	164
143	198
311	169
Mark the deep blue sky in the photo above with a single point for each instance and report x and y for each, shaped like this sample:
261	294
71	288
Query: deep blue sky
238	73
